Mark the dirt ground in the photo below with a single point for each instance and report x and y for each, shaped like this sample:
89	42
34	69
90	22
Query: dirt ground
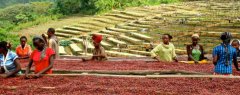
42	28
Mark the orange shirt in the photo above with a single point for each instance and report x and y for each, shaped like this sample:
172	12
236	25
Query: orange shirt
43	63
23	52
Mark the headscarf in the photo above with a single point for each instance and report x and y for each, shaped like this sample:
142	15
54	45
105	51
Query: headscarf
97	38
195	35
226	38
43	52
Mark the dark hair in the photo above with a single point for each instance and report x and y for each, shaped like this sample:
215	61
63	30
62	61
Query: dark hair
36	38
23	37
169	36
226	36
3	44
51	30
235	41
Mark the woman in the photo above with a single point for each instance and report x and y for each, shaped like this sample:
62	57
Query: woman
165	51
224	55
98	52
24	50
195	50
9	65
42	57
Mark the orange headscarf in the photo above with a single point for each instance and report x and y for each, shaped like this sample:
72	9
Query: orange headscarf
97	38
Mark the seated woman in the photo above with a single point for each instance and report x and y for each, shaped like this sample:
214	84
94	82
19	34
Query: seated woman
42	57
195	50
165	51
8	61
24	50
98	52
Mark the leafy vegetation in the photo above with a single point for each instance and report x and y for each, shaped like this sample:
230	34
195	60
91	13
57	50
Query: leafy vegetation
19	16
26	13
5	3
98	6
65	43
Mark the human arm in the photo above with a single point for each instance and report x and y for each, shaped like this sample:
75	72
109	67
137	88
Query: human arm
30	51
154	53
202	53
1	70
28	68
236	64
174	55
175	59
18	68
235	61
17	51
44	37
215	56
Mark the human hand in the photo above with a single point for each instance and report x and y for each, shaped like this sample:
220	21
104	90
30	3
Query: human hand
196	62
44	36
4	76
26	76
83	59
37	76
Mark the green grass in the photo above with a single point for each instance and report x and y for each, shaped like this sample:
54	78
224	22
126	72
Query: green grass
28	16
9	33
40	20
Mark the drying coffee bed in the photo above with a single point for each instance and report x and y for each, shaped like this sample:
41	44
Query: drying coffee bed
135	65
112	85
78	65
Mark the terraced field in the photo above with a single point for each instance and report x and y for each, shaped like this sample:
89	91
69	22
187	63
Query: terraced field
133	32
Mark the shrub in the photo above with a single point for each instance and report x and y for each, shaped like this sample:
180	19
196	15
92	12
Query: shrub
98	6
22	13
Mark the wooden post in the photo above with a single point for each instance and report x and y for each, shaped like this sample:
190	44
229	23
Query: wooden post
85	42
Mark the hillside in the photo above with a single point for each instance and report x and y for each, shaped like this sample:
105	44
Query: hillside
129	32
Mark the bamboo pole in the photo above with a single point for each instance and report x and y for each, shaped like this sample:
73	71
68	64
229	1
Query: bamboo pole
128	72
146	76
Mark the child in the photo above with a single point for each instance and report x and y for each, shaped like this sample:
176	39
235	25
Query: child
224	55
8	61
236	45
165	51
42	57
98	52
195	50
24	50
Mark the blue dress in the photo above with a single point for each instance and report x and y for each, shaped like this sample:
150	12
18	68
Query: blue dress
224	63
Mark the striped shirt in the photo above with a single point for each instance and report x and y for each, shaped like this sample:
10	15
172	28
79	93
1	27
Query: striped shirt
221	66
8	62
